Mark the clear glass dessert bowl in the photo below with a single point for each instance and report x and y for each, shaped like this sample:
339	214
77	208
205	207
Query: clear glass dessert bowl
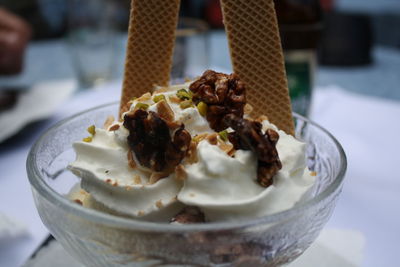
99	239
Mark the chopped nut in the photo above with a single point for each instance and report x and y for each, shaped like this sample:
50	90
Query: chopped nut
154	144
313	173
202	108
261	118
143	106
223	135
192	153
87	139
174	99
159	204
186	104
137	179
223	94
131	161
158	98
110	119
248	136
180	172
212	138
165	111
92	129
189	215
184	94
114	128
248	109
145	97
227	148
200	137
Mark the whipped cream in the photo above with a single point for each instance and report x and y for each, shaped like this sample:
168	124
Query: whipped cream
223	187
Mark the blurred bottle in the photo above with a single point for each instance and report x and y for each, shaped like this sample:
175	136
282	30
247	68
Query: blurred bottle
300	23
213	13
327	5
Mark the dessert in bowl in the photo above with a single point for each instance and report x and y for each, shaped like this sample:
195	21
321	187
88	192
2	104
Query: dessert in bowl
100	228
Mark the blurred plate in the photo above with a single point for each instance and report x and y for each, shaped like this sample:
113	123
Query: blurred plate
39	102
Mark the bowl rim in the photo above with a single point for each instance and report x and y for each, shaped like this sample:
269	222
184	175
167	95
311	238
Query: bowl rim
45	190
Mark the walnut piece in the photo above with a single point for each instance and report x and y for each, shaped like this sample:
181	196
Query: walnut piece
157	144
224	94
248	136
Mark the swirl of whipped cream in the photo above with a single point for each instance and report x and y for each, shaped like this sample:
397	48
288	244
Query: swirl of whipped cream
224	187
103	166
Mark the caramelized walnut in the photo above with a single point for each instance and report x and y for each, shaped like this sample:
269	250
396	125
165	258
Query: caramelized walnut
248	136
157	144
188	215
224	94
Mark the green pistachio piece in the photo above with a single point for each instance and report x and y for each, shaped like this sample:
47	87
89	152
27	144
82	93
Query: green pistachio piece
142	106
223	135
87	139
92	130
158	98
202	108
186	104
184	94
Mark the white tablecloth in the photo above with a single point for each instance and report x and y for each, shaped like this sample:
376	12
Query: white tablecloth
368	128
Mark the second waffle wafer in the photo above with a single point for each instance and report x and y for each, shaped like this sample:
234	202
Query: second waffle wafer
257	57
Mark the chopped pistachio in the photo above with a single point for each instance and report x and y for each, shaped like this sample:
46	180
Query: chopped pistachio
186	104
196	138
158	98
92	130
184	94
223	135
202	108
87	139
142	106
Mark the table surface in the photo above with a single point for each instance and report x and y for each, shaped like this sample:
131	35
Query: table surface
379	82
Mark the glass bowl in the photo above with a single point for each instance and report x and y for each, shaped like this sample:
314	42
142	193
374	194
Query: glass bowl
99	239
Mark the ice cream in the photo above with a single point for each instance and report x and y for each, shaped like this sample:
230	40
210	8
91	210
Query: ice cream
195	145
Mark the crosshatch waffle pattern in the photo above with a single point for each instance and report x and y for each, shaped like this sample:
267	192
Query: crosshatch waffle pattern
257	57
150	47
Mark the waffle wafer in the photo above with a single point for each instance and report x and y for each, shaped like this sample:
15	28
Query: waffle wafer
150	47
257	57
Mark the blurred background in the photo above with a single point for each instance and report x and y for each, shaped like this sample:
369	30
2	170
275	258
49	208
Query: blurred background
58	57
325	42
